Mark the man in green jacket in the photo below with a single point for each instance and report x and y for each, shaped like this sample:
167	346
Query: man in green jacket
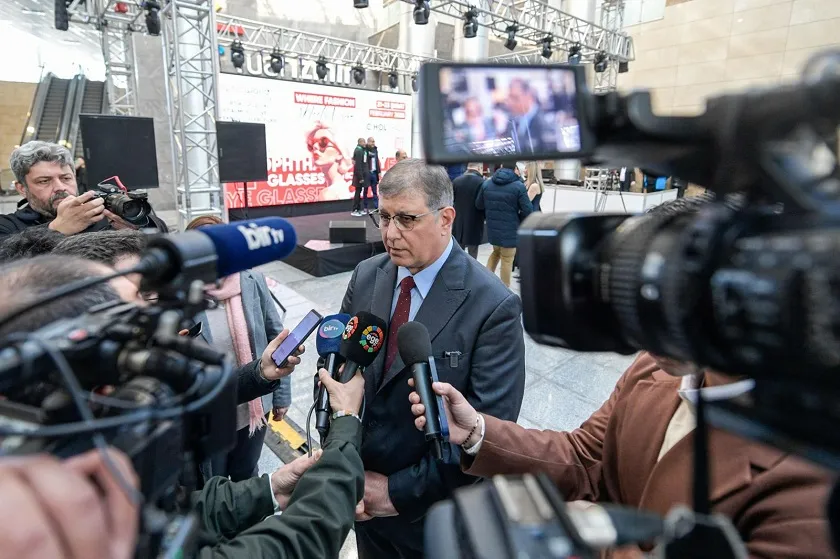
76	508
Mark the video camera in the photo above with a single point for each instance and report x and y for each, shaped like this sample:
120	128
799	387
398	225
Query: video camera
121	375
743	282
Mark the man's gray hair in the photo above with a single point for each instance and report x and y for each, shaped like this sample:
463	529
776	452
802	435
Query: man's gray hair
415	176
31	153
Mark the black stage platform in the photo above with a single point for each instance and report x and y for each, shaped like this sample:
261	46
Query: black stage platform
314	253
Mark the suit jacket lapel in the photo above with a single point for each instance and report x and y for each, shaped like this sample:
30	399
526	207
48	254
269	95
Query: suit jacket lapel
383	297
656	397
444	298
671	481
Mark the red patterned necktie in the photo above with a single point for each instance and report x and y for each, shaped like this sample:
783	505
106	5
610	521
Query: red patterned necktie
400	317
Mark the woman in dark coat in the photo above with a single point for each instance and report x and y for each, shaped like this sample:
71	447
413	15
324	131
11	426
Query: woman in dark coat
468	228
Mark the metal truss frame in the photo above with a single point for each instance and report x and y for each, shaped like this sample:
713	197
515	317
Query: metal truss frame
188	28
535	19
256	35
117	38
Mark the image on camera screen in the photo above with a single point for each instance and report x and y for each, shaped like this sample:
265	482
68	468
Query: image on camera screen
505	111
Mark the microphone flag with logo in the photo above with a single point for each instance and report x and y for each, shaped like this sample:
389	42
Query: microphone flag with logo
361	342
328	343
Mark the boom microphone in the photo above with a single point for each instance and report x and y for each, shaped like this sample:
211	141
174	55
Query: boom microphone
363	337
416	351
328	343
215	251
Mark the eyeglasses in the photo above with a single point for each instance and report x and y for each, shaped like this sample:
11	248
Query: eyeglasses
323	143
404	222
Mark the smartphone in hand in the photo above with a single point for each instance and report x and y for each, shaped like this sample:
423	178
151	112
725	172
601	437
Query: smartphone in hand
296	337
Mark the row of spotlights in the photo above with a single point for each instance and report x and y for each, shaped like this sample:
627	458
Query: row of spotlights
237	57
421	17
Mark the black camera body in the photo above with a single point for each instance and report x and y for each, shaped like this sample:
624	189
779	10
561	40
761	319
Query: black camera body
133	207
171	404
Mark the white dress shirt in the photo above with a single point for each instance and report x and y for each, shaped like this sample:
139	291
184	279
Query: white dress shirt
423	281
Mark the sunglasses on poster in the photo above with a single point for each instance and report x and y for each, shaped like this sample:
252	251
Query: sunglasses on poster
323	143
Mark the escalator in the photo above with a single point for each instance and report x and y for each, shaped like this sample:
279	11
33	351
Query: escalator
93	102
56	106
46	114
53	111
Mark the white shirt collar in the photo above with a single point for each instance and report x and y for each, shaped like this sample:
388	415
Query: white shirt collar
688	390
424	279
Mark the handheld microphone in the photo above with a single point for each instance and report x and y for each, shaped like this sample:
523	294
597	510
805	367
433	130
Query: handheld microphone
416	351
213	252
363	337
328	343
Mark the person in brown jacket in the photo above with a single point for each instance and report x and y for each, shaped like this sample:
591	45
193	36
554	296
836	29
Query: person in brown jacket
636	450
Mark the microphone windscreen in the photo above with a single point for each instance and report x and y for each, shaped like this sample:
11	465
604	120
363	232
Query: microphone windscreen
329	333
363	337
243	245
414	343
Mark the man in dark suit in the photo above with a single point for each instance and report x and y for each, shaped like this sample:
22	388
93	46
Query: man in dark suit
477	341
529	132
468	229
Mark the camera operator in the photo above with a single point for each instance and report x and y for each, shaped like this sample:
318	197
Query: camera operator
58	509
45	177
636	450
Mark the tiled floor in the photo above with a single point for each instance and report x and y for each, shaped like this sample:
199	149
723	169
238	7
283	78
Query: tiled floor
562	387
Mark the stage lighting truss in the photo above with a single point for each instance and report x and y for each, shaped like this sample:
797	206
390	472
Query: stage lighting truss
535	19
470	23
257	36
510	42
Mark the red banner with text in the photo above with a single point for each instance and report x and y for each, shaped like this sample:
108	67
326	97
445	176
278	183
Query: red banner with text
311	133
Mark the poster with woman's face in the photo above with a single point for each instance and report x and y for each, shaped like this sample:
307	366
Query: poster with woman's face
311	133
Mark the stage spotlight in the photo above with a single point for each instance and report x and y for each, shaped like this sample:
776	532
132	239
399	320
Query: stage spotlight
359	74
62	17
623	67
237	54
321	68
574	54
152	8
393	80
546	46
510	43
414	83
276	62
421	12
601	62
470	23
359	4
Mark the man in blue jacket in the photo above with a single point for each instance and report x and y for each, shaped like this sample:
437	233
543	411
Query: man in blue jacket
505	202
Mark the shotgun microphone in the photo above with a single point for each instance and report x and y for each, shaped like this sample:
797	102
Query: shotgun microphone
416	351
328	343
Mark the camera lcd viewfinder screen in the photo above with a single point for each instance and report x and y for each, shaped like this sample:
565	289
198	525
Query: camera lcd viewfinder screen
501	111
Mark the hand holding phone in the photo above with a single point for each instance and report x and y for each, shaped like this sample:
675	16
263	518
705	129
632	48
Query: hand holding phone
296	337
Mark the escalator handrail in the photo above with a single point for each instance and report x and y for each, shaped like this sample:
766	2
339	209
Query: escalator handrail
70	110
73	120
37	108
